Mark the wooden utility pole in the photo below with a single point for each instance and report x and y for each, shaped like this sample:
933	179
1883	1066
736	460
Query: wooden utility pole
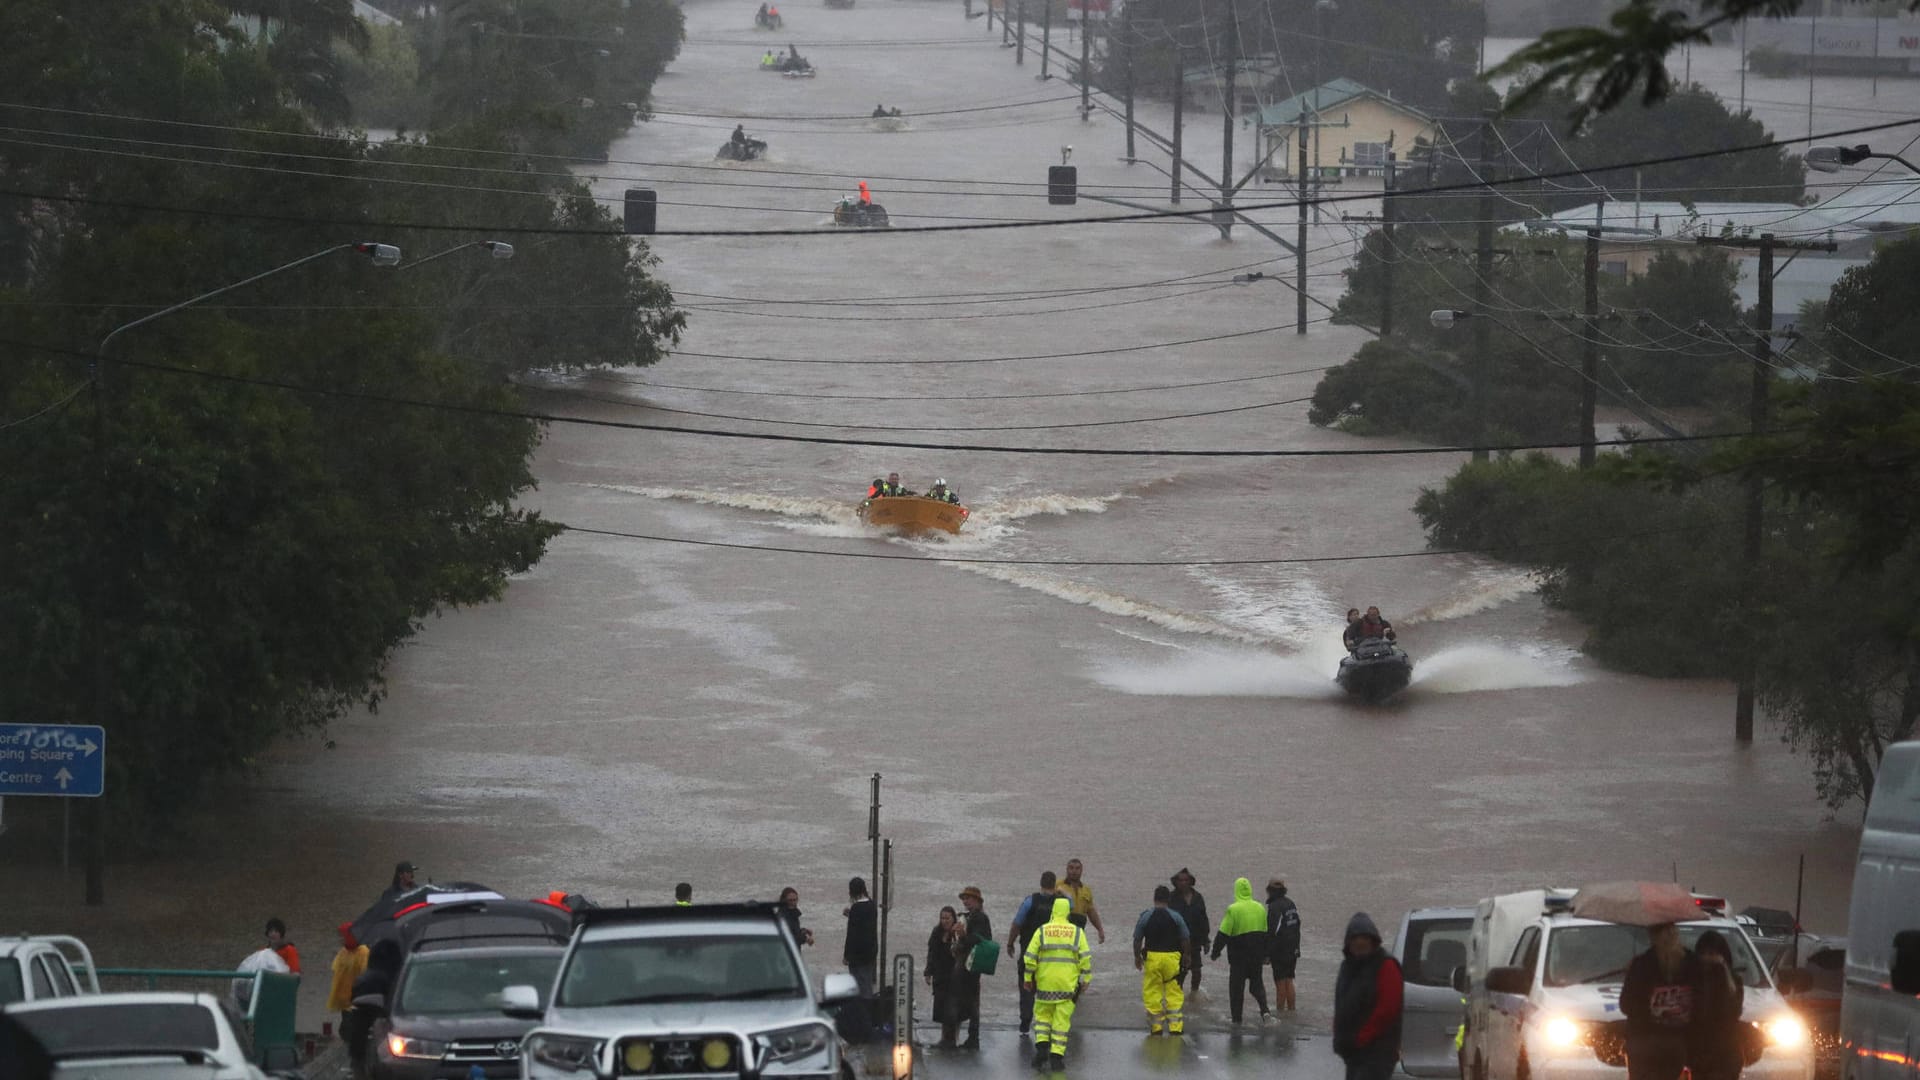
1046	38
1482	292
1126	36
1761	382
1388	253
1179	115
1300	242
1086	65
1229	100
1590	352
1020	36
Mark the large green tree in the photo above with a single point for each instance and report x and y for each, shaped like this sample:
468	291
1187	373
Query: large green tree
229	560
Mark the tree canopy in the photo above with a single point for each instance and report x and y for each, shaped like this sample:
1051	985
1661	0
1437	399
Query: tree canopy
262	519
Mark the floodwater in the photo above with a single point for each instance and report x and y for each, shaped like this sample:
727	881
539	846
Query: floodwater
637	712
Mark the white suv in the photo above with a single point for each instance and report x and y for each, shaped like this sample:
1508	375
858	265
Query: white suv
709	991
1543	994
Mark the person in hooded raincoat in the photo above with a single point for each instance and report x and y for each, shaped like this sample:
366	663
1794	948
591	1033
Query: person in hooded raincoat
1368	1000
1058	966
1243	936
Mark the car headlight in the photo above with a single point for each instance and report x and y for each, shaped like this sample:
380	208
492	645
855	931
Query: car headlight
794	1043
1561	1032
572	1053
1787	1031
406	1046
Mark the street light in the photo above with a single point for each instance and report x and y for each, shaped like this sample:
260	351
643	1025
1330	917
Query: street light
383	255
1444	318
1831	159
378	254
498	249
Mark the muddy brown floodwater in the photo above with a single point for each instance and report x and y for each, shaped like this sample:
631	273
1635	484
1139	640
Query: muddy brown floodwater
636	713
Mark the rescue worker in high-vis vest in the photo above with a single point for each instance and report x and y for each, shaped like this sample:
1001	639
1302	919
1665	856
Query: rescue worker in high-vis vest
1059	964
1161	945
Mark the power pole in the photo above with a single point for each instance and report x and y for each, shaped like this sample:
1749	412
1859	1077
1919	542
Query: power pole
1020	35
990	18
1482	293
1086	65
1046	38
1756	507
1761	382
1388	253
1300	243
1228	102
1126	35
1590	352
1179	114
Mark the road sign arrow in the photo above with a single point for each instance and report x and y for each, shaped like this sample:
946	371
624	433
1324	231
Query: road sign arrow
88	747
63	776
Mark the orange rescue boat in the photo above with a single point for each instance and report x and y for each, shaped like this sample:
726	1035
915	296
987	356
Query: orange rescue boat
912	514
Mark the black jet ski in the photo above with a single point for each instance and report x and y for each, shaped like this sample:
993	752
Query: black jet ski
1376	670
751	150
855	214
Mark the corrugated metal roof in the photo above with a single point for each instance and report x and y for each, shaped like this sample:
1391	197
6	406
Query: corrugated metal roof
1325	97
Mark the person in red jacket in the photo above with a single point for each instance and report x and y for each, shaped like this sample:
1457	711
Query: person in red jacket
1368	996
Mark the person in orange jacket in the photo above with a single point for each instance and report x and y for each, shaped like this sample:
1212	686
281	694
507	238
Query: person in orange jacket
866	197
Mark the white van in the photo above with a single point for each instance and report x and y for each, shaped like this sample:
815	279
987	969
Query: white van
1879	1009
1543	993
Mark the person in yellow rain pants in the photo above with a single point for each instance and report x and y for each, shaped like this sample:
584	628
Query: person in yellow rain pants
1059	965
1161	947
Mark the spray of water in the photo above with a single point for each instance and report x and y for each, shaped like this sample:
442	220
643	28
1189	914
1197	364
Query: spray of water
1308	675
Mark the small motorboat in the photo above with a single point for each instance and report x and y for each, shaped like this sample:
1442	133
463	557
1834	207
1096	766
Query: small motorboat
768	22
1376	670
892	121
806	72
913	514
856	214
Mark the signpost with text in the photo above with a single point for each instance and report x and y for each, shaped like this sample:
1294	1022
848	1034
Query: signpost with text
60	760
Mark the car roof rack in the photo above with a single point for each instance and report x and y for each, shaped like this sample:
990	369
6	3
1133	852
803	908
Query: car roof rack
602	916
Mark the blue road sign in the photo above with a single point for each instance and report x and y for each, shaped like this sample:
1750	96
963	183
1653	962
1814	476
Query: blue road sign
53	759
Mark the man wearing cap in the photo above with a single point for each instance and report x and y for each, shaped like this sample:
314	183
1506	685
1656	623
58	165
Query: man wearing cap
975	928
403	872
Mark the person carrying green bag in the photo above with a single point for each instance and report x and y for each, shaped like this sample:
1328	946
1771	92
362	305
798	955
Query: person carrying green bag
978	955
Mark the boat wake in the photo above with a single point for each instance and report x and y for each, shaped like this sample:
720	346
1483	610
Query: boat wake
1488	588
1112	603
1308	675
991	520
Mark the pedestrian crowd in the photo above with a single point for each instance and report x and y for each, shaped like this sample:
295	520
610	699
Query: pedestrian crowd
1173	940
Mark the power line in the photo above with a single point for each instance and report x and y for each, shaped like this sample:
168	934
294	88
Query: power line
937	427
976	397
976	226
668	429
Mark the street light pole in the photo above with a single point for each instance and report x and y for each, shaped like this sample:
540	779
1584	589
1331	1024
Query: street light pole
103	377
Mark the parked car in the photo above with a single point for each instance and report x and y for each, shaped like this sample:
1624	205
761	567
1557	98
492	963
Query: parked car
140	1036
1880	1005
445	1016
43	967
704	989
1543	993
1432	943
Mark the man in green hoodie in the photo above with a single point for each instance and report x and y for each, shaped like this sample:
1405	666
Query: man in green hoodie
1243	935
1058	965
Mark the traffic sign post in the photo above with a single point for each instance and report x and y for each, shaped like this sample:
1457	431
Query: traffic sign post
57	760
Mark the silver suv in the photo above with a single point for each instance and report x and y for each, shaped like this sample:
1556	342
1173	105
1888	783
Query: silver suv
705	991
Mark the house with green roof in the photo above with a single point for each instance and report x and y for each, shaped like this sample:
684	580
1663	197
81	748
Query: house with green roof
1350	131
